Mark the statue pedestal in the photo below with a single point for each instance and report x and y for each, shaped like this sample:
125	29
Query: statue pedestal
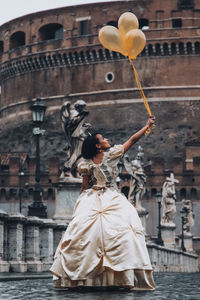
67	192
143	214
168	234
187	242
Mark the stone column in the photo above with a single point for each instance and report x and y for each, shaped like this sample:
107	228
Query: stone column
16	242
168	235
46	243
66	195
32	244
4	265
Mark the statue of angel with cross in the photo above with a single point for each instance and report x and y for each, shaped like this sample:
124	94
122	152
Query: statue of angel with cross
168	201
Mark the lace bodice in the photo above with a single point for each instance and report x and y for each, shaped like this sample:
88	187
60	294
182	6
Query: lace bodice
105	173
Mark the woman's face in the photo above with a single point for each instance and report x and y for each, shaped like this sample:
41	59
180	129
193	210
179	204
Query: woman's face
104	144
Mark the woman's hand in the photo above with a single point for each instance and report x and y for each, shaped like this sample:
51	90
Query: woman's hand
151	121
134	138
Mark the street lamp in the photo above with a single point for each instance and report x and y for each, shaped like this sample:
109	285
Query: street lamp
159	240
21	174
37	207
182	227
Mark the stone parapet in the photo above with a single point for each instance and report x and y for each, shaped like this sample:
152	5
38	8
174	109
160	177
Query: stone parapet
28	244
165	259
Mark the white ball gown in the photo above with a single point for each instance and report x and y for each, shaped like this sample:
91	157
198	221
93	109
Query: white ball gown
104	244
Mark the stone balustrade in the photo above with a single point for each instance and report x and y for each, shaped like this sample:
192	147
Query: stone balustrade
27	244
95	54
166	259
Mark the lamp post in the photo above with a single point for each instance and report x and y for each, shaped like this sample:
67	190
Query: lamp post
182	229
20	174
37	207
159	240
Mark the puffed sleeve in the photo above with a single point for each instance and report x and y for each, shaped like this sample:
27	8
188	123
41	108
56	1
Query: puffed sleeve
115	153
84	168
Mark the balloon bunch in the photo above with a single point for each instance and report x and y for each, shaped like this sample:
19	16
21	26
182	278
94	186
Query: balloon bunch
127	40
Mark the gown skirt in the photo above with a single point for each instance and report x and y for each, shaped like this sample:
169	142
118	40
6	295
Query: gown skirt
104	245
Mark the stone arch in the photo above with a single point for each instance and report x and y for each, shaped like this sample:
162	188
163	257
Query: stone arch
143	23
17	39
181	48
166	49
94	54
113	23
189	48
197	47
107	54
71	58
173	48
52	31
88	55
158	49
125	191
183	193
150	49
193	194
76	56
1	47
101	56
82	57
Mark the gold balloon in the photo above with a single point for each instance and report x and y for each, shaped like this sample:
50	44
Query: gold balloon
134	42
111	39
127	22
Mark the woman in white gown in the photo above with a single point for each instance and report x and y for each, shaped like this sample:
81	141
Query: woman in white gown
104	244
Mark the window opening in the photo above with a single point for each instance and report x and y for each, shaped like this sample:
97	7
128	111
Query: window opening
17	39
52	31
84	27
176	23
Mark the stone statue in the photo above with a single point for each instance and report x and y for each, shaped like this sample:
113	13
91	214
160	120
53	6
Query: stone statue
138	178
72	120
189	216
168	201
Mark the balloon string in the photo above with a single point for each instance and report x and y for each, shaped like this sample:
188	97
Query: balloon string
146	104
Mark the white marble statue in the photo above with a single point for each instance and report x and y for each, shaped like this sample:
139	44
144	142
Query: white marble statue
138	178
72	120
168	201
189	216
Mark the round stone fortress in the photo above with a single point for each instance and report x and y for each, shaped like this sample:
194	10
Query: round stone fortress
56	55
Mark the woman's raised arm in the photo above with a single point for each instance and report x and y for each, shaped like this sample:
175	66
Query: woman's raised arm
135	137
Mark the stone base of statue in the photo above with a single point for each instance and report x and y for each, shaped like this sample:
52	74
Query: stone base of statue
168	234
34	266
143	214
4	266
188	243
67	192
18	266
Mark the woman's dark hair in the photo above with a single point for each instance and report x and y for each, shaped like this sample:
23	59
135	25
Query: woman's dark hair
89	149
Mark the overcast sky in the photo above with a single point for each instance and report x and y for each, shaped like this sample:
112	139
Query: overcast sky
11	9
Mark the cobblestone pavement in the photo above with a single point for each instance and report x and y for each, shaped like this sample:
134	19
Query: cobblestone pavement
169	286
